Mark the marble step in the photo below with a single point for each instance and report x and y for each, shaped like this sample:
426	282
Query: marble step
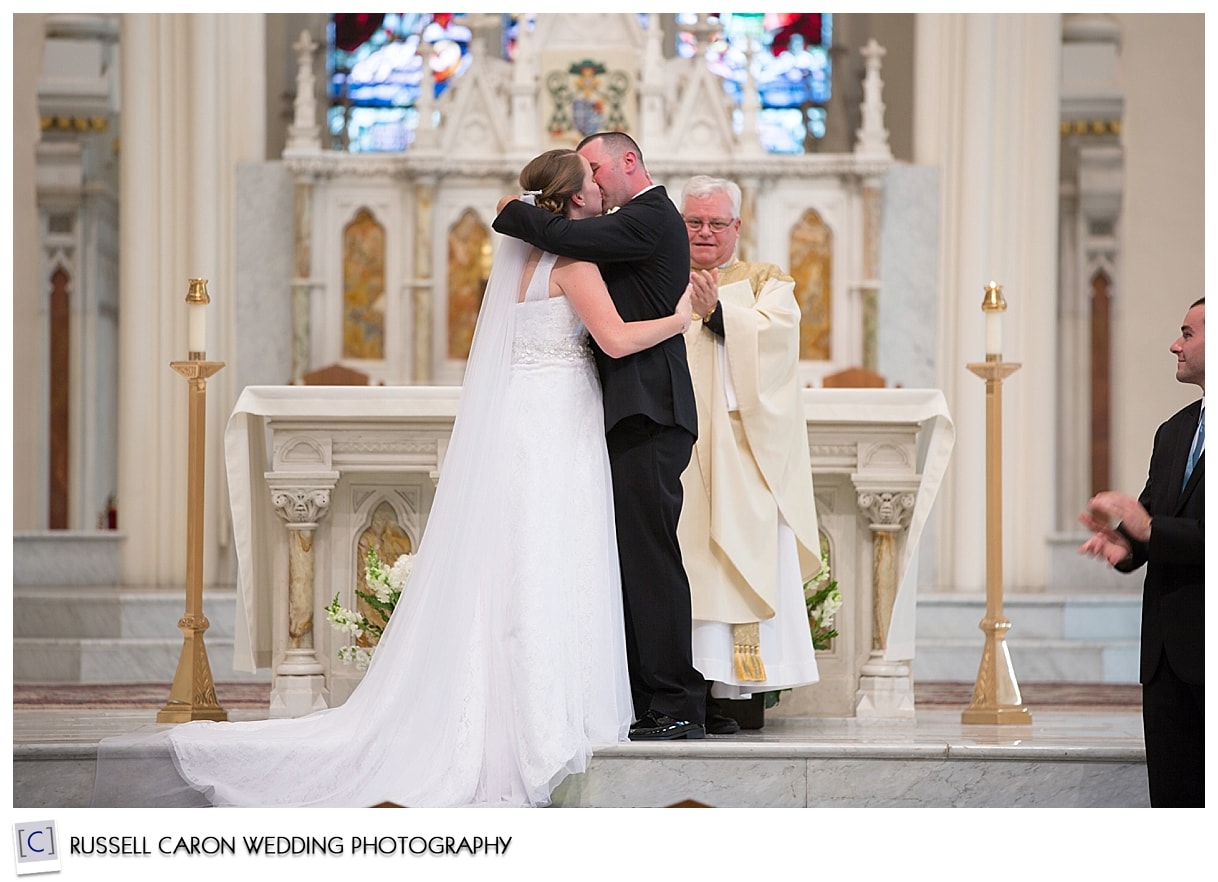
1053	638
115	635
1062	759
102	634
127	660
1033	661
1052	616
115	612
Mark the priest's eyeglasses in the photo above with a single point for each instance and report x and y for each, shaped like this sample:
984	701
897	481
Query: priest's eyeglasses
717	225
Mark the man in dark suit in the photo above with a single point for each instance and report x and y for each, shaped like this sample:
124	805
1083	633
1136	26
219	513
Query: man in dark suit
1165	529
650	420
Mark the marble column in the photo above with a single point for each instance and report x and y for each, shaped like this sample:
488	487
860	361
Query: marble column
189	119
424	204
304	140
885	687
750	189
299	684
302	282
873	211
990	122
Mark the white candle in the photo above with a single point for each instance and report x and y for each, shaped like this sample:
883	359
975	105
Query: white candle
993	305
993	332
198	326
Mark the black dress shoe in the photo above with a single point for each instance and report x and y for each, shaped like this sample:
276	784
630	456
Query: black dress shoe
653	726
721	724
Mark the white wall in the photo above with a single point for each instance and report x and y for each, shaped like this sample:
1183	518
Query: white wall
29	368
1163	247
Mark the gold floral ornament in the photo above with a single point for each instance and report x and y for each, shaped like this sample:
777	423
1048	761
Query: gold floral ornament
384	589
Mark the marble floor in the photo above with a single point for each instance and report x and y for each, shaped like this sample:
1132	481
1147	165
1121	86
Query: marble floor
1069	757
1088	729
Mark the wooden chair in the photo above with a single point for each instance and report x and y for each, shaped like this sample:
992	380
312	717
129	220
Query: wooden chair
854	378
336	375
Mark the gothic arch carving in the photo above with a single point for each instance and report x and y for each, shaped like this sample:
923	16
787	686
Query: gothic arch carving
385	529
301	451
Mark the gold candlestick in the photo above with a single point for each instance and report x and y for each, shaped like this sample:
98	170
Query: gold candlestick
996	697
193	694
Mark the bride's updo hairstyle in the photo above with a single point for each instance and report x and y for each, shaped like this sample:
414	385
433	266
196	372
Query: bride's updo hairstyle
553	177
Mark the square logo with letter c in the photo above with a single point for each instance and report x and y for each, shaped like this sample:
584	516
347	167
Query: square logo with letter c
36	847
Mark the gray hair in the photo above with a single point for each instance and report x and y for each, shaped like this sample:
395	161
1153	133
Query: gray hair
701	186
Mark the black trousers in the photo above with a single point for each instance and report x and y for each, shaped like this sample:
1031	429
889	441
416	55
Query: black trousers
1173	722
646	460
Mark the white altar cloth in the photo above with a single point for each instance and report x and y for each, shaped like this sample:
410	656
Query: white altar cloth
936	439
247	454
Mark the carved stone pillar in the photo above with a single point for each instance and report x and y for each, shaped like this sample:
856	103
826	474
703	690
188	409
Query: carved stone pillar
869	293
750	189
652	125
426	136
526	73
304	139
872	137
885	687
299	685
750	109
422	293
304	135
302	284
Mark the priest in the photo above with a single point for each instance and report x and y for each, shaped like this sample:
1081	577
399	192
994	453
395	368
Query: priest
748	528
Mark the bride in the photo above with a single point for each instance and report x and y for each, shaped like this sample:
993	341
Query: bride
503	665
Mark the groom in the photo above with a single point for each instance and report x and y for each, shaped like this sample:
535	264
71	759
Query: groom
650	420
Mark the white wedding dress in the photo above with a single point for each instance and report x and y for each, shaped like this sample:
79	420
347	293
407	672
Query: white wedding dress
503	666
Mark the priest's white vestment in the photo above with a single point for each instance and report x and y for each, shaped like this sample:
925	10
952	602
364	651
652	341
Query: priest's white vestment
748	528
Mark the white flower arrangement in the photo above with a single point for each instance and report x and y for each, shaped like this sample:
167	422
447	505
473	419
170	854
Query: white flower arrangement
823	600
384	589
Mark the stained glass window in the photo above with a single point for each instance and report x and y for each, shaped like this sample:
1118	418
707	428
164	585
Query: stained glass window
788	56
376	73
376	69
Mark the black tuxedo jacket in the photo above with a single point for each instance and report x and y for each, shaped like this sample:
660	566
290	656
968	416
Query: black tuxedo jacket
643	254
1173	598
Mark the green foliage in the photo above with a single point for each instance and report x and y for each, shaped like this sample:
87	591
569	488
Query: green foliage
383	588
823	600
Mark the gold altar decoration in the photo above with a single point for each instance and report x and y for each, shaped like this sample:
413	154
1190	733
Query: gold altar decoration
193	694
469	268
996	698
811	244
364	287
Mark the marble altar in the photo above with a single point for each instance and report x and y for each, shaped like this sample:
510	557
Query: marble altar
309	467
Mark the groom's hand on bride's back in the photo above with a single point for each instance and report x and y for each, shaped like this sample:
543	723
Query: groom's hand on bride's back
504	201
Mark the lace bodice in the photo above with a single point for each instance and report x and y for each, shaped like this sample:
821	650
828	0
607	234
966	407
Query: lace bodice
548	330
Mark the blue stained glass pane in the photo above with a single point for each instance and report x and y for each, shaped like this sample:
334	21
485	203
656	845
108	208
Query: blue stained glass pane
790	67
376	73
376	69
